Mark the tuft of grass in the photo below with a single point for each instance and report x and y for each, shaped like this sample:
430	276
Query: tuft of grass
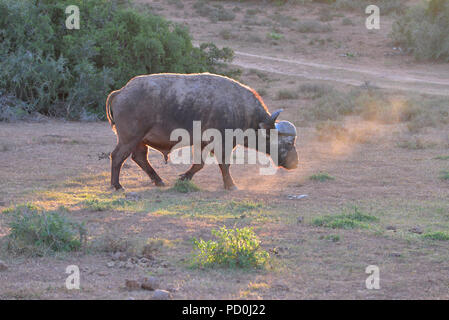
444	175
287	95
354	220
441	158
436	235
314	90
321	177
233	248
38	232
227	34
415	143
312	26
105	204
214	12
184	186
347	22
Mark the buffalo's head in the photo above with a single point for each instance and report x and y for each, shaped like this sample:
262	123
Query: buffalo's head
287	156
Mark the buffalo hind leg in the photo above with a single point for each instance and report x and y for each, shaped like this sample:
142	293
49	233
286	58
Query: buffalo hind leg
140	157
118	156
227	179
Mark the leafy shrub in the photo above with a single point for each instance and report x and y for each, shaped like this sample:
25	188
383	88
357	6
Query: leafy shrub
62	72
37	232
385	6
233	248
424	31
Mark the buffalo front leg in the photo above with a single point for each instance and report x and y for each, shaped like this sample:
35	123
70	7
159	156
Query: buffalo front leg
140	157
227	179
188	175
194	168
118	156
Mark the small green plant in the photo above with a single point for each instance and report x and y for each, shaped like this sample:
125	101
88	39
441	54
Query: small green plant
275	36
321	177
436	235
37	232
185	186
233	248
331	237
444	175
353	220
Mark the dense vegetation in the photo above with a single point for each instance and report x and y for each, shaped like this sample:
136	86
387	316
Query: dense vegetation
424	31
47	68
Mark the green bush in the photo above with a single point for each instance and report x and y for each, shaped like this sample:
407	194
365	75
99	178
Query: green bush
37	232
233	248
68	73
385	6
424	31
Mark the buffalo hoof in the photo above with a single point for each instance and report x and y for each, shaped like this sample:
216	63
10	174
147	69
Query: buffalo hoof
231	187
159	183
184	177
118	188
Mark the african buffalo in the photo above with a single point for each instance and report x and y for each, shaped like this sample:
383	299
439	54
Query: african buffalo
148	108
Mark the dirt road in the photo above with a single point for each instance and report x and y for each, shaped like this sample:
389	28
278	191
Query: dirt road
408	80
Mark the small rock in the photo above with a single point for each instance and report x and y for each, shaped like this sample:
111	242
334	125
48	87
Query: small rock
150	283
161	295
395	254
3	266
123	256
417	230
116	256
121	264
102	273
144	260
111	264
296	196
129	265
132	284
